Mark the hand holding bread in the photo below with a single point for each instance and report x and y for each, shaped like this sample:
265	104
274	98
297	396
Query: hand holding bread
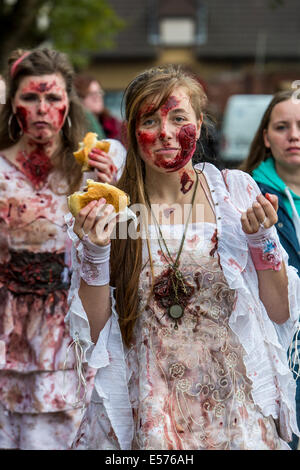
93	154
89	142
95	191
92	209
94	221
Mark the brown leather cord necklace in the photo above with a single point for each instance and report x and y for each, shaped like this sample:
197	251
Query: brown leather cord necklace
177	288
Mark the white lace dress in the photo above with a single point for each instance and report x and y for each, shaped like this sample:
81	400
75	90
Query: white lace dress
38	383
219	381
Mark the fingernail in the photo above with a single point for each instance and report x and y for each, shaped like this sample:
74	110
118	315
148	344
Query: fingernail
268	196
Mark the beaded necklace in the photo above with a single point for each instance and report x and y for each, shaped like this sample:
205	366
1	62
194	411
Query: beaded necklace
176	280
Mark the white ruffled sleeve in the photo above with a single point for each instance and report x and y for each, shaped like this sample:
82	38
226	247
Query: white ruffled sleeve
265	343
243	190
107	355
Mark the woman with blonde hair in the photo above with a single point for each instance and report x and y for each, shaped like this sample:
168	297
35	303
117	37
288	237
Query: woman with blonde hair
188	318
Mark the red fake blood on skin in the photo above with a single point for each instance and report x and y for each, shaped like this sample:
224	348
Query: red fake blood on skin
61	114
171	103
42	87
186	182
168	212
187	142
146	139
22	114
113	169
35	166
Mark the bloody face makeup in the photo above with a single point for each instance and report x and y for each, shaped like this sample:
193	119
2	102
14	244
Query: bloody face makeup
167	137
41	105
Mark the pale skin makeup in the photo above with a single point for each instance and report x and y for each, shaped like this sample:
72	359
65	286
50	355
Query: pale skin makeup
167	153
282	136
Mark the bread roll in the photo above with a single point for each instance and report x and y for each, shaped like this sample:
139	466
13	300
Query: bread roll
89	142
95	190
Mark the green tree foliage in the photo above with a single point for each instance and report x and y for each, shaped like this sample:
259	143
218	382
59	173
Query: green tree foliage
77	27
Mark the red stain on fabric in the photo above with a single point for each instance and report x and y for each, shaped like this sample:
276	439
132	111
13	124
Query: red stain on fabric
232	262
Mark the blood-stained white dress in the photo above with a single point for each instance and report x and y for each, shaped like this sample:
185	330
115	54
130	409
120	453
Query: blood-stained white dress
38	382
221	379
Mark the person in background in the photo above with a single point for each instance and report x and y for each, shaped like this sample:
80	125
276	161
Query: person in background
274	163
187	323
41	125
91	94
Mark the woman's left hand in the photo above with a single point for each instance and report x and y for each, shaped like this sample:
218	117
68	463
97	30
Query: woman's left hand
262	212
103	165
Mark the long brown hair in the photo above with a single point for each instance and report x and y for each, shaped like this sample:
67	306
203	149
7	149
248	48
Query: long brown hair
258	151
43	62
155	84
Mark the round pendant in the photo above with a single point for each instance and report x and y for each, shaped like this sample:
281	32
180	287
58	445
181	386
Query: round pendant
176	311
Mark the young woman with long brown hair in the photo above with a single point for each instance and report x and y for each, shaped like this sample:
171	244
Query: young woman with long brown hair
41	125
188	318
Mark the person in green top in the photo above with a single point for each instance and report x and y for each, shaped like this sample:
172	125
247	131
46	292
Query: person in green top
93	125
274	163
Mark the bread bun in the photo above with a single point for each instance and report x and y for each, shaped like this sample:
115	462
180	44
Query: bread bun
89	142
95	190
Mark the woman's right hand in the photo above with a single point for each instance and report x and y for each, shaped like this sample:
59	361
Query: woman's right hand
103	165
93	221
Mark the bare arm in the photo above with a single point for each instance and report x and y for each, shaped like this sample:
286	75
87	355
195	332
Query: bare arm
92	224
96	303
273	285
273	292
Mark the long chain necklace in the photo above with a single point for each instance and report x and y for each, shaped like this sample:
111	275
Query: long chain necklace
172	294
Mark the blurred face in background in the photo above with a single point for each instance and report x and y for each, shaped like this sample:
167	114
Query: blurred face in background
93	100
282	135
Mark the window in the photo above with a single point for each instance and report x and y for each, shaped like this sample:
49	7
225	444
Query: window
177	31
171	24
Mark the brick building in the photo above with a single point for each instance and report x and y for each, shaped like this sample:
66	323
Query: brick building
234	46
